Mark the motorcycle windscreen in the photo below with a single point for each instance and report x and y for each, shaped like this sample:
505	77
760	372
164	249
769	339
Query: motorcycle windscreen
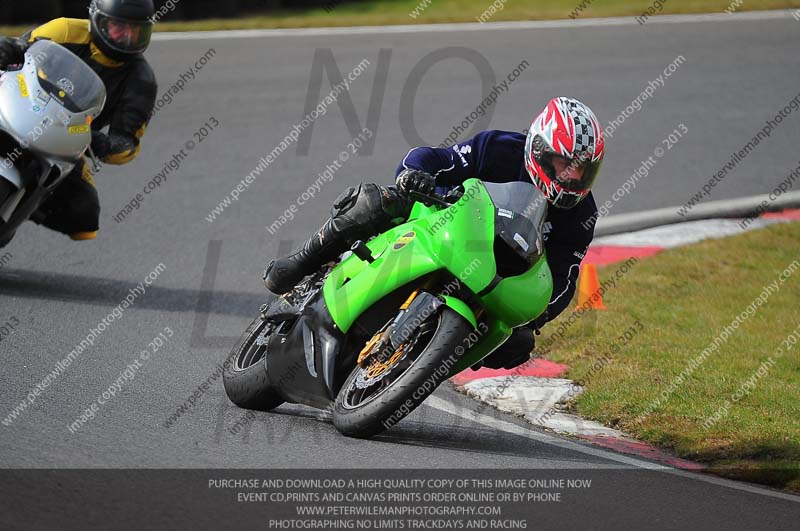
67	78
520	212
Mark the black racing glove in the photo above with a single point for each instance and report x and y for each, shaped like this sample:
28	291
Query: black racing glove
12	51
101	144
104	145
415	181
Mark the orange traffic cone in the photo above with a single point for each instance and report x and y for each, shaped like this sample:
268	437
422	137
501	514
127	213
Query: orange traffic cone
589	295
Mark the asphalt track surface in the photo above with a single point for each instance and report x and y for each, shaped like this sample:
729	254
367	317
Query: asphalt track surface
737	74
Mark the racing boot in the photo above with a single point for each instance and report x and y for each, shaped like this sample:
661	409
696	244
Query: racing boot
359	213
283	274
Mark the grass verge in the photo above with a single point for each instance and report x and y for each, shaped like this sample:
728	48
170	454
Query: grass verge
391	12
735	407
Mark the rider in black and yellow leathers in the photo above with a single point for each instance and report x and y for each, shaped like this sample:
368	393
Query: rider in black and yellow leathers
111	42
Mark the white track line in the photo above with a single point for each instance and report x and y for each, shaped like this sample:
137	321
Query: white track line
489	26
490	422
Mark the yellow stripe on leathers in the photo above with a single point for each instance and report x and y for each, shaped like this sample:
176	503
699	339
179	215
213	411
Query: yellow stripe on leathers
83	236
98	57
64	31
86	174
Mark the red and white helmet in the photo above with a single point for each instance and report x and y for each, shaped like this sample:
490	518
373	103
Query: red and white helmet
564	150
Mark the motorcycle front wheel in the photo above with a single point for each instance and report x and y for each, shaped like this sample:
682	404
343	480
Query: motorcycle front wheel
375	398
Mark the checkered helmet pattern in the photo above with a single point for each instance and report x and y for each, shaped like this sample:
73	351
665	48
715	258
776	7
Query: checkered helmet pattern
568	129
584	129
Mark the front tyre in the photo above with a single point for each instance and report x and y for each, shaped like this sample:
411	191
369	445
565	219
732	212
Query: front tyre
370	403
245	376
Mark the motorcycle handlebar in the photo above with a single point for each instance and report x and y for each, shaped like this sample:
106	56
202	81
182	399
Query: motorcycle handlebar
428	199
435	199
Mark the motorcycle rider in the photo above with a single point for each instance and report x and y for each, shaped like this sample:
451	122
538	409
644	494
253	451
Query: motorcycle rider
111	42
561	154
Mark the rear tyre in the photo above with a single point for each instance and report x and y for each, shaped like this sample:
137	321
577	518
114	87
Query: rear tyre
245	375
363	412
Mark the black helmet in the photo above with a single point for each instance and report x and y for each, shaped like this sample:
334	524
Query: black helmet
121	29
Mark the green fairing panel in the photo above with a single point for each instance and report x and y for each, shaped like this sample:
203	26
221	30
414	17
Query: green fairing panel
516	299
495	336
461	308
459	238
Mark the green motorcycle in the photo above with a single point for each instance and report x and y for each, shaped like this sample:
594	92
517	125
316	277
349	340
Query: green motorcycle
374	334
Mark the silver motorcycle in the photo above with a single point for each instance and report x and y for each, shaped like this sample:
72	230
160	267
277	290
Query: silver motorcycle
47	106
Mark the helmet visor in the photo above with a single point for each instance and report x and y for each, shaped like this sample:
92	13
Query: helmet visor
124	35
574	175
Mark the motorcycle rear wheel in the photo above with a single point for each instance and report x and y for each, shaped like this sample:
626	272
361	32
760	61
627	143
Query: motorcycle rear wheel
245	375
363	412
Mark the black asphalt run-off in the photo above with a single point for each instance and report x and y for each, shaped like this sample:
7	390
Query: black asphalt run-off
737	74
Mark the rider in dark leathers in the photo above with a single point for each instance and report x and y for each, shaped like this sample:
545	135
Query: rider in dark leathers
561	155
